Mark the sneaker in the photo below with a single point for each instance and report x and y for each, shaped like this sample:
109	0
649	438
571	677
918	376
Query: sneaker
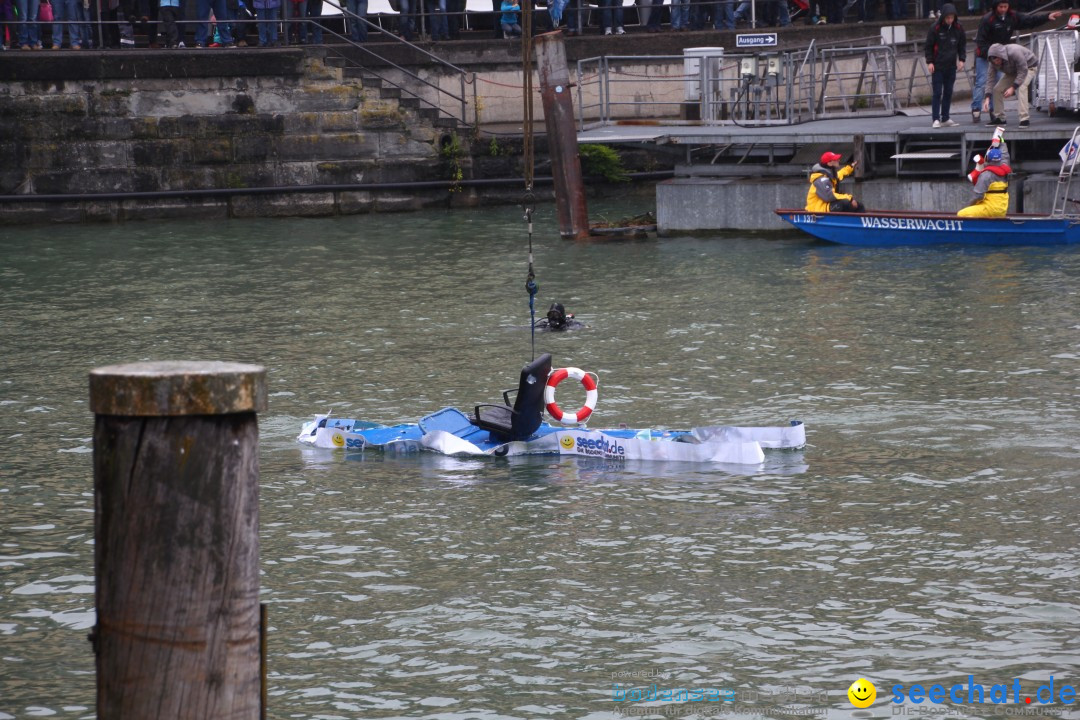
1024	123
76	47
55	47
24	47
607	31
995	121
937	124
181	44
242	43
975	115
949	123
620	31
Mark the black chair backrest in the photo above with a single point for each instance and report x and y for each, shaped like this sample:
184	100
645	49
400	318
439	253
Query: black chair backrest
529	403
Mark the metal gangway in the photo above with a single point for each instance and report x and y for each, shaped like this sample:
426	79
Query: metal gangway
1057	84
709	86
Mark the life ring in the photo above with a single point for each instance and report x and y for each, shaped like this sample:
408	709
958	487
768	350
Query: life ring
587	381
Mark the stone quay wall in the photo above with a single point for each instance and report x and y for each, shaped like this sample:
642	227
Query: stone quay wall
118	124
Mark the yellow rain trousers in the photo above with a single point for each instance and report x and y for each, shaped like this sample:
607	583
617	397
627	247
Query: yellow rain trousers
994	203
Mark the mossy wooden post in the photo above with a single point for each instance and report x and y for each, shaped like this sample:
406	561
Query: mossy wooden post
176	557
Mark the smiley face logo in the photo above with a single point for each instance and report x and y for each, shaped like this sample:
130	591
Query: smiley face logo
338	439
862	693
567	441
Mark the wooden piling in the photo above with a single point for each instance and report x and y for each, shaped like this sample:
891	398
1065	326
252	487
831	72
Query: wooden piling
176	557
558	106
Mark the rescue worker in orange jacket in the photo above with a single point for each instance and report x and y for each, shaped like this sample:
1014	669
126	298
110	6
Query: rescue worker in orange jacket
824	177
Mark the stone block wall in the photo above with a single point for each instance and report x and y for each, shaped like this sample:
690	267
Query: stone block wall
238	124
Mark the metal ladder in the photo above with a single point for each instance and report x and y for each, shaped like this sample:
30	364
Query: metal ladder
1068	166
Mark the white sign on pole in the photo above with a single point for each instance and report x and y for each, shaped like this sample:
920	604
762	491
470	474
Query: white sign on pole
755	40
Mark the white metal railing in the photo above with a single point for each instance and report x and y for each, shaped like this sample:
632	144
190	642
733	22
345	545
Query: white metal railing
1056	85
718	88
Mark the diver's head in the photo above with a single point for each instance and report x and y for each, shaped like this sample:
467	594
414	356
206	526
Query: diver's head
556	316
993	156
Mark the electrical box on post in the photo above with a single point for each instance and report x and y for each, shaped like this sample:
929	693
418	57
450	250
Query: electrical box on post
748	66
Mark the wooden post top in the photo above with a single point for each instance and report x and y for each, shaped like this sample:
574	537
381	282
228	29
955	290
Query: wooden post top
170	388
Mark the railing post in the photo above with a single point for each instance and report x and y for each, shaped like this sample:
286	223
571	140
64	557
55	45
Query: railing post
176	554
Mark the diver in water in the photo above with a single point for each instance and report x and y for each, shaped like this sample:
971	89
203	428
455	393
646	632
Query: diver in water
558	319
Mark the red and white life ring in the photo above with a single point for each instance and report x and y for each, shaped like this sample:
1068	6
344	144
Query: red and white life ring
587	381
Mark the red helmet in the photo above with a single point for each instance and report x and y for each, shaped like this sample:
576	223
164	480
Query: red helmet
829	157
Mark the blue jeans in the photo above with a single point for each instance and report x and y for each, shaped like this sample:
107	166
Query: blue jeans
357	28
942	82
66	10
724	18
436	10
680	13
611	11
574	14
314	29
29	33
268	31
221	15
978	92
405	19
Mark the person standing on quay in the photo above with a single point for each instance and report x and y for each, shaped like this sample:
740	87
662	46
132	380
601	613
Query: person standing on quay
945	56
998	26
1017	66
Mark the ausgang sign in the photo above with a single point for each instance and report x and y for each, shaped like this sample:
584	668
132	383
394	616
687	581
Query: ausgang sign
752	40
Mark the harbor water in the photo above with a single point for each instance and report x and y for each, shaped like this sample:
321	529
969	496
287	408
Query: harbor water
927	534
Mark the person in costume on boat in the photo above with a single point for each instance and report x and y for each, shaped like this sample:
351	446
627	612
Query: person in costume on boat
558	319
824	177
990	184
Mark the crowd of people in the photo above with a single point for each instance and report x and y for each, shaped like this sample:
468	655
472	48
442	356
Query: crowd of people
219	23
228	23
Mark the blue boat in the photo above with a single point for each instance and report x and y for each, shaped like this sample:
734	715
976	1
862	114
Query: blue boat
518	428
896	228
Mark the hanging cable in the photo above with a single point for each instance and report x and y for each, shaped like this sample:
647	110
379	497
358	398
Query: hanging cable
530	280
529	200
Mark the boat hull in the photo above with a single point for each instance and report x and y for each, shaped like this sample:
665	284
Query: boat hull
448	432
894	229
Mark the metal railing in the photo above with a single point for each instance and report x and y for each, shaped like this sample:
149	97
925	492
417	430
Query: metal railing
718	88
465	78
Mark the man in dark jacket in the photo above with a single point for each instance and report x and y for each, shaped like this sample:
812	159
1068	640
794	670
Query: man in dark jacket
998	26
945	55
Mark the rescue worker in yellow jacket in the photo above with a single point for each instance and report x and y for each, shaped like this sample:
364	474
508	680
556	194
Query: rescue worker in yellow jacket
824	177
991	185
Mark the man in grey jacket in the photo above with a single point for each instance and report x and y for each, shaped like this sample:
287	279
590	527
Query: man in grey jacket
1017	65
